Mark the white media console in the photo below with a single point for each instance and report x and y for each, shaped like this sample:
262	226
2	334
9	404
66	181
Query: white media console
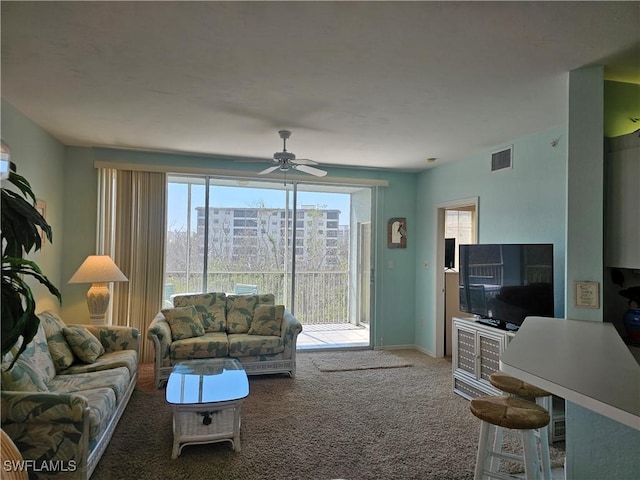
477	349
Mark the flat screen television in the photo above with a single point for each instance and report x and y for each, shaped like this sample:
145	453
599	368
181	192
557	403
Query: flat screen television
502	284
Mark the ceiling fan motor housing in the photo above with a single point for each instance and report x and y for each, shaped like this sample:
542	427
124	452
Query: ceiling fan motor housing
284	156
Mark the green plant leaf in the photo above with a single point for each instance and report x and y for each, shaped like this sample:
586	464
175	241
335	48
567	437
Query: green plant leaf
22	226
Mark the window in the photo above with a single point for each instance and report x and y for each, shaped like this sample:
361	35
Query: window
220	234
459	223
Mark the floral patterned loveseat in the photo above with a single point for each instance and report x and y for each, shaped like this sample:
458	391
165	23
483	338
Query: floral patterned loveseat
63	397
261	335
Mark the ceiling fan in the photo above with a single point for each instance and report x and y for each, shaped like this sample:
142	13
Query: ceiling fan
285	161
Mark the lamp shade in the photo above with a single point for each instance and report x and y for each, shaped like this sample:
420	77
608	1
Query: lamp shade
98	269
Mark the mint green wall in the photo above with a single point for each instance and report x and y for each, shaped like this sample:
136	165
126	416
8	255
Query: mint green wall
394	299
585	187
396	267
621	104
40	158
81	207
518	205
597	447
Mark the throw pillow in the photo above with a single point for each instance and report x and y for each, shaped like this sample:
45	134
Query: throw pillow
25	375
267	320
20	378
61	353
185	322
240	310
211	306
83	343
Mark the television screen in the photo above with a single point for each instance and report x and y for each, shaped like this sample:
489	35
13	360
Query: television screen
503	284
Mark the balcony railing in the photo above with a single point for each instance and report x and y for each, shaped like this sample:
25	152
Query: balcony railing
322	297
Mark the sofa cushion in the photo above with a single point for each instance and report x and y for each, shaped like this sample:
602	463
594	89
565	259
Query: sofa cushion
211	306
244	345
267	320
60	351
121	358
102	406
240	310
185	322
209	345
83	343
116	379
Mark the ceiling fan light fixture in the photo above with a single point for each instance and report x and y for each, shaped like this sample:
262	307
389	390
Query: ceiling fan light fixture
285	161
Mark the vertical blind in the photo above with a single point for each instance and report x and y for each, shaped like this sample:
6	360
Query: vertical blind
132	230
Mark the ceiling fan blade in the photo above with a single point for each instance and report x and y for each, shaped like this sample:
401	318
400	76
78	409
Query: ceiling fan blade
304	161
269	170
310	170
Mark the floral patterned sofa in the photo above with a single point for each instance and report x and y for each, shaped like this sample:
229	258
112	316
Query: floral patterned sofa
261	335
63	397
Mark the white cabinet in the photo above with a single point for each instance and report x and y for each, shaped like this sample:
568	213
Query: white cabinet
623	203
476	355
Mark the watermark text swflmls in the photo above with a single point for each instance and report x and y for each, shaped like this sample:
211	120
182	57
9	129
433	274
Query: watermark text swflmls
53	466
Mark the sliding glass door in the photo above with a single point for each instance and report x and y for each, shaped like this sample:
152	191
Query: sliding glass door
300	242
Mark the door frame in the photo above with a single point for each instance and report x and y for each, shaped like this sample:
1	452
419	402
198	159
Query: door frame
439	327
364	268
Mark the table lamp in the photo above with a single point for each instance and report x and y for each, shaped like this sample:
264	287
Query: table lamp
98	270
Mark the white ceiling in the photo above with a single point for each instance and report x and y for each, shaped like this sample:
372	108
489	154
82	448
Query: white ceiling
376	84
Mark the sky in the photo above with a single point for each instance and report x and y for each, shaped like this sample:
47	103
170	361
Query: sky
223	196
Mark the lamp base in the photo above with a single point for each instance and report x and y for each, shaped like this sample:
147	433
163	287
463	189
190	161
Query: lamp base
98	319
98	302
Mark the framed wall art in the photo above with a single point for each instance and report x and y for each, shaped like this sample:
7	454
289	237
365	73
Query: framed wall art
397	232
587	294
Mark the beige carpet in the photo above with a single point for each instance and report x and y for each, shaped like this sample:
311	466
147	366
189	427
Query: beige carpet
340	361
400	423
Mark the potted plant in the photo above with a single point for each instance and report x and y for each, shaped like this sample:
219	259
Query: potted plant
22	225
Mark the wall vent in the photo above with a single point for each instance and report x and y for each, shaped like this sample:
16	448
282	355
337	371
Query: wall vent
502	159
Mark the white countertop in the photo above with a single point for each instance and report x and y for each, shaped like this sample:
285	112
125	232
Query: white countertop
584	362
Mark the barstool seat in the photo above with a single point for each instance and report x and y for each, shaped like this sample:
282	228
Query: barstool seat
515	386
510	412
498	412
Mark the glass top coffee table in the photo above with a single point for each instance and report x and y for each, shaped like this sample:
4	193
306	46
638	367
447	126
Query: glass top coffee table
206	396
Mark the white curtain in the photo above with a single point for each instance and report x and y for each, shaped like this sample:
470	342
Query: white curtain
133	224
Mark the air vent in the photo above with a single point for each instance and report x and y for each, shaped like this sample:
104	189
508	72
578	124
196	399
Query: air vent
501	159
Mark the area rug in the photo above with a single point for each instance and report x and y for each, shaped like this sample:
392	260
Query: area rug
336	361
404	424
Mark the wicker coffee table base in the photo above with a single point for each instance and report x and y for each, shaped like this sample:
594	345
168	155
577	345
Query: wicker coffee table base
206	423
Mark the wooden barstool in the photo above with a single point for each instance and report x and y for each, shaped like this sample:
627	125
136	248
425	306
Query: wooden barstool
497	413
519	388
